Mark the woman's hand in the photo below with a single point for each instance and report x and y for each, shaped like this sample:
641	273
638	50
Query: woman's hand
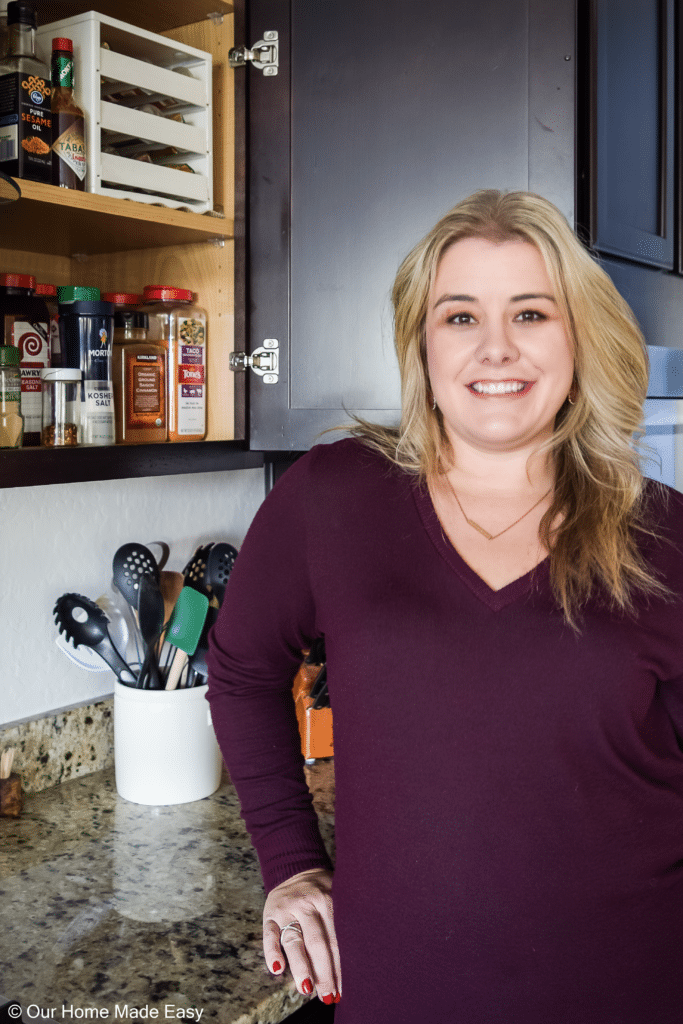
310	949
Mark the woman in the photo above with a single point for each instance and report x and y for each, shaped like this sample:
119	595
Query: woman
500	594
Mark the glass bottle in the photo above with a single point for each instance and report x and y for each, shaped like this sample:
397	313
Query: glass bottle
68	123
25	116
11	420
3	29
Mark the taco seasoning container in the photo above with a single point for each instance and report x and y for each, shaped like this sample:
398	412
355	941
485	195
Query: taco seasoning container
25	116
11	420
139	375
181	326
26	325
48	292
68	122
86	329
61	407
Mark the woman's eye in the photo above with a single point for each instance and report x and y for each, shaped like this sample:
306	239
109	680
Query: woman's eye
529	316
461	318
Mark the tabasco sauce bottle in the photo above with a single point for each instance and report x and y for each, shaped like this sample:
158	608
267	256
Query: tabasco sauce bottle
68	123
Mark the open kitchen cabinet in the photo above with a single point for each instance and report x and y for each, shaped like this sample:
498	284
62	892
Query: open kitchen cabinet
66	237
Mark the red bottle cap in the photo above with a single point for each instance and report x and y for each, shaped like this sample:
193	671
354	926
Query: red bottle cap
166	293
46	289
63	44
17	281
122	298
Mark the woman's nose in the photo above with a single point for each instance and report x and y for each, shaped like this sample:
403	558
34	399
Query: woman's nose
497	346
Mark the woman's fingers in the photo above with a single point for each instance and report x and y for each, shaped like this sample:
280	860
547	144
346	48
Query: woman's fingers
298	929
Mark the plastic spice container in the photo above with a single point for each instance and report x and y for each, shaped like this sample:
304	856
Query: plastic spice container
139	375
48	292
61	407
86	330
27	326
181	326
11	420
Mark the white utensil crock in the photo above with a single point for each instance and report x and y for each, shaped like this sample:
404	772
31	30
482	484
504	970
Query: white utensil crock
165	749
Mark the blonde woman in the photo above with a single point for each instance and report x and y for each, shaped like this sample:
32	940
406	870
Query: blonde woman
501	596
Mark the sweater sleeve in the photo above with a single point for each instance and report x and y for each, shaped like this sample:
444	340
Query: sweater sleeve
266	619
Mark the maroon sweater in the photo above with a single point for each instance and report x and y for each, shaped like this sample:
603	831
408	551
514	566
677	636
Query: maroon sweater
509	810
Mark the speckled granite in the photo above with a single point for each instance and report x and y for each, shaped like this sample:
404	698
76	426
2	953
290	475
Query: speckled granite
65	745
107	903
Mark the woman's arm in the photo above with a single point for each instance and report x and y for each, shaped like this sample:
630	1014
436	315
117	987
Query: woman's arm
268	616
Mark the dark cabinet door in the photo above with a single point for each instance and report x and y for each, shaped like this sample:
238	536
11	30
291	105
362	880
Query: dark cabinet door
382	116
631	114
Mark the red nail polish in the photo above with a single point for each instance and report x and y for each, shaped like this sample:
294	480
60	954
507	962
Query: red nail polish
277	966
328	999
307	986
337	997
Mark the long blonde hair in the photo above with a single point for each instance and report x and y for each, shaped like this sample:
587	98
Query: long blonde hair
599	492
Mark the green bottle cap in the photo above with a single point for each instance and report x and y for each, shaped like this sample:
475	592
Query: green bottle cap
9	355
77	293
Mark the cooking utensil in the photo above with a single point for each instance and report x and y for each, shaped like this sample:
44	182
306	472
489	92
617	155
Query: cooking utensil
130	562
219	563
189	614
197	661
86	657
83	622
151	619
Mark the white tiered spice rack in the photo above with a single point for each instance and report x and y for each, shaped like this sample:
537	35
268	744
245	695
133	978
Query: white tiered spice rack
112	57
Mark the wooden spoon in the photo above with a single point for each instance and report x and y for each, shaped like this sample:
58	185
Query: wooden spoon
170	584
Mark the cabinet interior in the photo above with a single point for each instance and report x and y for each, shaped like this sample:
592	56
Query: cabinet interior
64	237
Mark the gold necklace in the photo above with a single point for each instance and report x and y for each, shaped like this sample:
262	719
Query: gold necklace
480	529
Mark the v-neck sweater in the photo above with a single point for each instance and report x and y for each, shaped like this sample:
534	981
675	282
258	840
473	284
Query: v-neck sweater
509	793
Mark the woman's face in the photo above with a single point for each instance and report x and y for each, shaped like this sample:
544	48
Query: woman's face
499	358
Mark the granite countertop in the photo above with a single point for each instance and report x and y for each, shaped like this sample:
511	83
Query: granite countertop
110	905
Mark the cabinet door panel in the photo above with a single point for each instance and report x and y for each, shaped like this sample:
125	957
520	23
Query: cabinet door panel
634	69
381	118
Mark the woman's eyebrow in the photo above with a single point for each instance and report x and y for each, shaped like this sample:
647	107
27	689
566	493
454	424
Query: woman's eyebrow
454	298
526	297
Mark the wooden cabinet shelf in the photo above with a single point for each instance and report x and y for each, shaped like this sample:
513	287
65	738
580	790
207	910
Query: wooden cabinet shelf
61	222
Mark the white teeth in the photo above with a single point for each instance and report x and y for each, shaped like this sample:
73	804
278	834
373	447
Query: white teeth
502	388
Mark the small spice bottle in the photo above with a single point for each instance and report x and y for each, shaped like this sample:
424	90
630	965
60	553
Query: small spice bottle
61	407
175	321
139	376
48	292
11	420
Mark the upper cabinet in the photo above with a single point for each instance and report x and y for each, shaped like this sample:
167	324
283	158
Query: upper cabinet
381	117
64	237
627	130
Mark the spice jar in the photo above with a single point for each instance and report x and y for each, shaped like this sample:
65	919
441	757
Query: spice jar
26	325
11	420
181	326
61	407
139	376
123	302
86	330
48	292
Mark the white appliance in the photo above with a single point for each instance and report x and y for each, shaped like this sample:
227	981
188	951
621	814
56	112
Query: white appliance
664	416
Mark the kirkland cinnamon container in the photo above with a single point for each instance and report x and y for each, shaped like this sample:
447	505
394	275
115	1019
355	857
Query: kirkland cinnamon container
181	326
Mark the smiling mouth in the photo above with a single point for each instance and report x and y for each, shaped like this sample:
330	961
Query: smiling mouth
484	388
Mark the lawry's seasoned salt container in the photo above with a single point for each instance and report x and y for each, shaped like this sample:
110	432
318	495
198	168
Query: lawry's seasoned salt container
181	326
25	324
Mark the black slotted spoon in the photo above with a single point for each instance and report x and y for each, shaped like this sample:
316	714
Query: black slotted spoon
84	623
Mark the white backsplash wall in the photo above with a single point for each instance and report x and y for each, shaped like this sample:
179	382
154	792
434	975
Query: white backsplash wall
62	538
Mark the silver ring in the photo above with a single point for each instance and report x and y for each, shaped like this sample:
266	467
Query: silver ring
295	926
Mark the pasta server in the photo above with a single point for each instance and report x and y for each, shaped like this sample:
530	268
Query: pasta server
84	623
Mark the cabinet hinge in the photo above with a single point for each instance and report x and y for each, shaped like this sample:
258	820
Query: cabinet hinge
263	361
263	55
